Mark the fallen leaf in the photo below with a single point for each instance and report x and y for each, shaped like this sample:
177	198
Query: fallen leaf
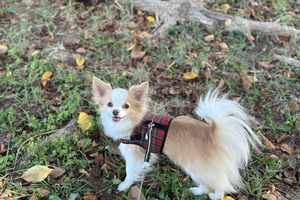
264	64
81	50
81	142
269	144
225	7
253	79
79	62
272	190
99	160
132	25
3	49
228	22
36	173
84	121
173	91
269	196
246	81
43	192
150	19
250	37
158	64
209	38
90	197
88	80
46	75
227	198
88	34
56	172
8	135
274	157
137	54
84	172
290	174
292	162
124	73
295	105
45	83
34	196
190	75
287	148
54	108
114	148
134	193
130	46
47	38
145	34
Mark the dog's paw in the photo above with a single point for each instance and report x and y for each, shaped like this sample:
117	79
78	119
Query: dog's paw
123	186
214	196
198	190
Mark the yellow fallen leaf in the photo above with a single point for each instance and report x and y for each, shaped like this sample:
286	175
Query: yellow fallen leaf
227	198
79	62
3	49
28	8
36	173
225	7
150	19
9	74
228	22
253	79
133	32
124	73
131	46
46	75
190	75
78	3
250	37
84	121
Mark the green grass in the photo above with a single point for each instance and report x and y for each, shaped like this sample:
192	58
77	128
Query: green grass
28	114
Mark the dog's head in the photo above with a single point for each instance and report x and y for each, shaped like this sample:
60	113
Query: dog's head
120	104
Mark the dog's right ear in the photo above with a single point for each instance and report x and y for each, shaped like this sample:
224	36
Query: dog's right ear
100	88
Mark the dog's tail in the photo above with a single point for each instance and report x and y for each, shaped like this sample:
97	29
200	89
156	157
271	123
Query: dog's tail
232	131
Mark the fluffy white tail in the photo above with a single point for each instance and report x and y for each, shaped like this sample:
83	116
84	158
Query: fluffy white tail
232	129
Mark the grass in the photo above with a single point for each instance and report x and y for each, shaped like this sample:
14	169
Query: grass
25	103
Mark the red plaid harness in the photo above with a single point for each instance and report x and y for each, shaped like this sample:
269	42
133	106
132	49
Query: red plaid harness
158	133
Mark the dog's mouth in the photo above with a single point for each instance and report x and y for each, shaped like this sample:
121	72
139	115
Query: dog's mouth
117	119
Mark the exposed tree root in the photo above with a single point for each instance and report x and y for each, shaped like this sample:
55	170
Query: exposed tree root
287	60
177	11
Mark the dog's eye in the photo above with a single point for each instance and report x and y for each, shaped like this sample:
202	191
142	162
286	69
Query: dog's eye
126	106
109	104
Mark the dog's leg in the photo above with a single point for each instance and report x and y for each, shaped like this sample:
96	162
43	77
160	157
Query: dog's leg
199	190
134	162
216	196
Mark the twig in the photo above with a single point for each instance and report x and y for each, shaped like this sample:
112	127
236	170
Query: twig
31	138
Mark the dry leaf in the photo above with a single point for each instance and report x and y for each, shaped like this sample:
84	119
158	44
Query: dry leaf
269	144
287	148
43	192
228	22
84	121
36	173
250	37
246	82
81	142
227	198
134	193
295	105
45	83
190	75
145	34
132	25
90	197
224	46
88	80
80	62
84	172
264	64
292	162
225	7
173	91
269	196
81	50
3	49
130	45
46	75
8	135
150	19
56	172
34	196
209	38
88	34
137	54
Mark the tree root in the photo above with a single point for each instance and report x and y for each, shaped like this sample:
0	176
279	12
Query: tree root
287	60
177	11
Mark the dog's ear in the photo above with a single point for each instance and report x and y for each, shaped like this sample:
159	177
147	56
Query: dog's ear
100	88
140	92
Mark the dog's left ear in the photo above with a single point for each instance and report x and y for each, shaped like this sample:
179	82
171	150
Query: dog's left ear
140	92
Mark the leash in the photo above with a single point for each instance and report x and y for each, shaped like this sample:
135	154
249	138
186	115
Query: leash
146	163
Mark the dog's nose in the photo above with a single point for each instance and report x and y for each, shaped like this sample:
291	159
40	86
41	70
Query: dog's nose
116	112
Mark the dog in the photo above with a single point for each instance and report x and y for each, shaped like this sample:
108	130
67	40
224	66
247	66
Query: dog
211	150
